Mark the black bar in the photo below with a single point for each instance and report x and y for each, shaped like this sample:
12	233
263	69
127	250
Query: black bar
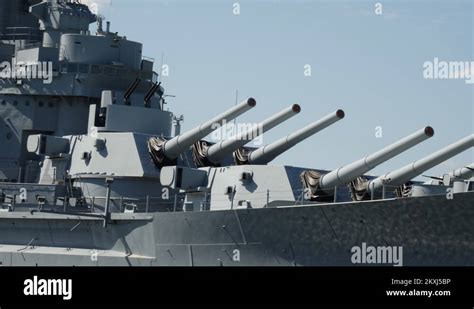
305	285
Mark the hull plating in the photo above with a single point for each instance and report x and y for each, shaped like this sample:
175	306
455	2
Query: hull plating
433	231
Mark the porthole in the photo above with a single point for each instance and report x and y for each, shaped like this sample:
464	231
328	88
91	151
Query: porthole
9	136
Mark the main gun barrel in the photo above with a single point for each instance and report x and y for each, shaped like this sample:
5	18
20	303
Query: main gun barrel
346	174
269	152
174	147
219	151
414	169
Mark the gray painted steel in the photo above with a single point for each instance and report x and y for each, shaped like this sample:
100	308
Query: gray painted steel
80	186
313	235
463	172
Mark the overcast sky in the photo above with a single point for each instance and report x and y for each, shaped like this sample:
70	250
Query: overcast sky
368	64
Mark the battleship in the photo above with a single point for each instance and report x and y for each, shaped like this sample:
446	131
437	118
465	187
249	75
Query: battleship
95	172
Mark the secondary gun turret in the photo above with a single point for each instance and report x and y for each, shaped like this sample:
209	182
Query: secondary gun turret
269	152
447	179
462	173
414	169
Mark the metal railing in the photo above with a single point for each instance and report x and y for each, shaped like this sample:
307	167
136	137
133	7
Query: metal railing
20	174
178	202
21	33
105	70
304	196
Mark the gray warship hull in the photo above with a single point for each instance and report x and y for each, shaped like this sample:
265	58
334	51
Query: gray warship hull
433	231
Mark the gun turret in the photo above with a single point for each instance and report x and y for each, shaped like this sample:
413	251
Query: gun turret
346	174
414	169
268	153
219	151
462	173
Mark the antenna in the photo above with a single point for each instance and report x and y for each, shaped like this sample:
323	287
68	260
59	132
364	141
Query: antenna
236	102
163	102
177	124
161	66
100	19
